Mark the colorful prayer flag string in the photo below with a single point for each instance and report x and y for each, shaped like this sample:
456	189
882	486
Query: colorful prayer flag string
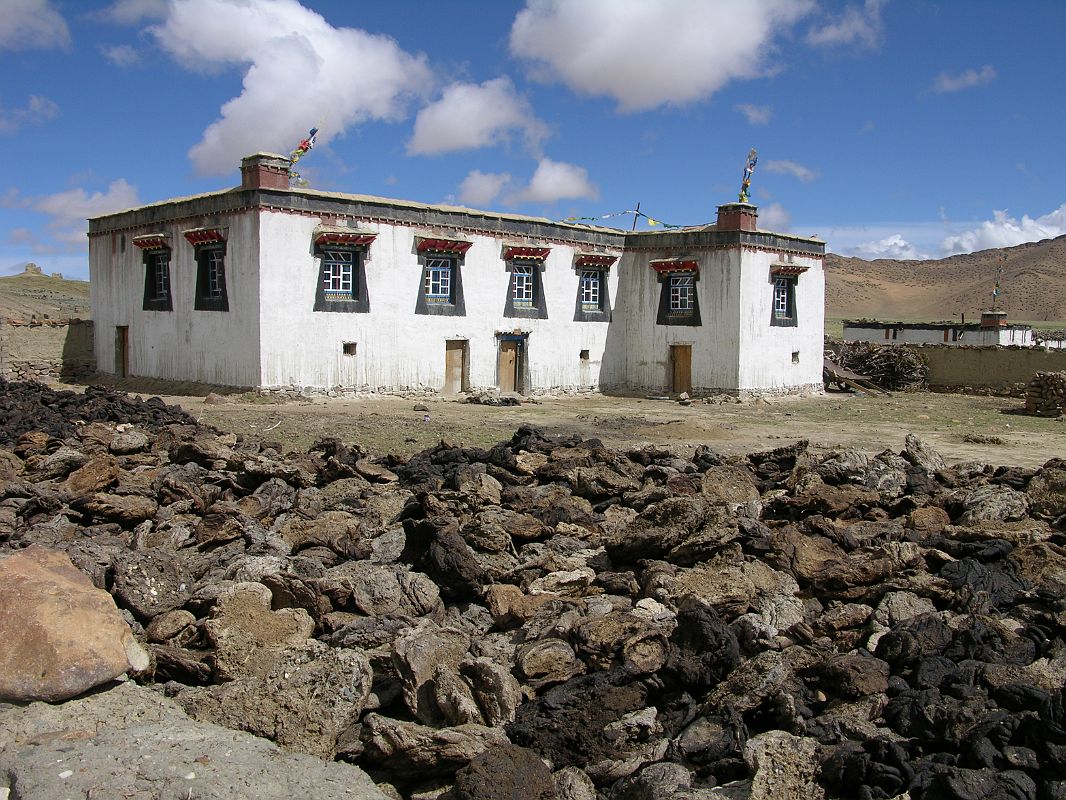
650	220
300	152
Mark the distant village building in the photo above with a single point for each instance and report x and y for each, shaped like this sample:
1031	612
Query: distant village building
993	329
267	285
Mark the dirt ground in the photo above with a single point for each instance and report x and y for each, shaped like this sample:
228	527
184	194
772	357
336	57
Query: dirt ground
964	428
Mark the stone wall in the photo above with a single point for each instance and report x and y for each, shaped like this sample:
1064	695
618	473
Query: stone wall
46	350
987	370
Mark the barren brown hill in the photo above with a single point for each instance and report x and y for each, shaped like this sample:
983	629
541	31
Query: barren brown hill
1033	285
30	294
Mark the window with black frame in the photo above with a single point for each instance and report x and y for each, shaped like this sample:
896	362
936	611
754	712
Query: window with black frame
341	280
211	288
593	298
440	291
525	289
678	296
157	289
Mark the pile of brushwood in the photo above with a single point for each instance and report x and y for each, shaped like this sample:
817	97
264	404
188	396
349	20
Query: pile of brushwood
889	366
549	618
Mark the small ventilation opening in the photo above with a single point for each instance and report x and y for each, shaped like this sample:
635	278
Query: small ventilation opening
795	356
348	348
584	355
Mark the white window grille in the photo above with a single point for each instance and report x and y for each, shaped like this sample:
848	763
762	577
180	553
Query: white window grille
783	298
215	275
523	285
438	287
338	268
590	290
682	293
161	276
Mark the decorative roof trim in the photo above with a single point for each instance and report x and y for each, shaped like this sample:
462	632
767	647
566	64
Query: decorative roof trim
151	241
595	260
441	245
338	234
788	269
203	236
666	266
525	251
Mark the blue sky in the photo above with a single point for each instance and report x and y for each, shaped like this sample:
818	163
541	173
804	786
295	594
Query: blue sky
894	128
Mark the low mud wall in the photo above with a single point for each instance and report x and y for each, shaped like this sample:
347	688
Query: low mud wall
993	370
46	349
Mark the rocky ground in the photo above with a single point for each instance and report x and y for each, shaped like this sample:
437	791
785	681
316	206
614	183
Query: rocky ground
542	618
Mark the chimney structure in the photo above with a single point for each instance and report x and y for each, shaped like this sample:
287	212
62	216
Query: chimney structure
737	217
265	171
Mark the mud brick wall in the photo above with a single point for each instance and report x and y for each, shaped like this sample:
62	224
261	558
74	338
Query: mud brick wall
996	370
48	349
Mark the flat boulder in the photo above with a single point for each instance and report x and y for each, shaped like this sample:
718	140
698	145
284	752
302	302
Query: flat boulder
62	636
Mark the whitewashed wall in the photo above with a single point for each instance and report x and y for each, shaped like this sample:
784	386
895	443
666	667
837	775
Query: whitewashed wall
639	349
182	344
774	357
398	349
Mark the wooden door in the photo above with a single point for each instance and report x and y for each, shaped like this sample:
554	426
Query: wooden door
454	366
681	358
508	366
122	351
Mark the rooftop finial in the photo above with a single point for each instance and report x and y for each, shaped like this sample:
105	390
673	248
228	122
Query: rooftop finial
745	184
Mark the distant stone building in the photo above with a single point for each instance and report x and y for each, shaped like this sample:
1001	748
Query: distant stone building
267	285
993	329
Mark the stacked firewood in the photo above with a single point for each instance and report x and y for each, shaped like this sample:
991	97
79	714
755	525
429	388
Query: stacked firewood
895	368
1046	395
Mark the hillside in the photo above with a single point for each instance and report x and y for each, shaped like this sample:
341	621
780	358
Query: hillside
31	294
1033	285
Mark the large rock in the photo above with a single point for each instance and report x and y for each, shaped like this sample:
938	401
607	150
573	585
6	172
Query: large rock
133	742
503	773
61	635
784	766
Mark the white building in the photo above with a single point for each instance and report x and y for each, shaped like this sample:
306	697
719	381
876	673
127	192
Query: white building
265	285
992	330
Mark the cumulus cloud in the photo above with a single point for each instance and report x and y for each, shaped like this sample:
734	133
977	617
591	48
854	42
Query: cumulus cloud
894	247
805	174
647	54
32	25
67	211
298	71
134	12
1006	231
774	217
481	188
555	180
121	55
945	82
858	25
470	116
757	115
37	110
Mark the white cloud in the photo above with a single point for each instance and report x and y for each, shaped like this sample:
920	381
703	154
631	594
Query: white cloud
121	55
805	174
481	188
69	210
757	115
470	115
555	180
300	71
647	54
133	12
894	247
38	109
1006	231
857	25
32	25
968	79
774	217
